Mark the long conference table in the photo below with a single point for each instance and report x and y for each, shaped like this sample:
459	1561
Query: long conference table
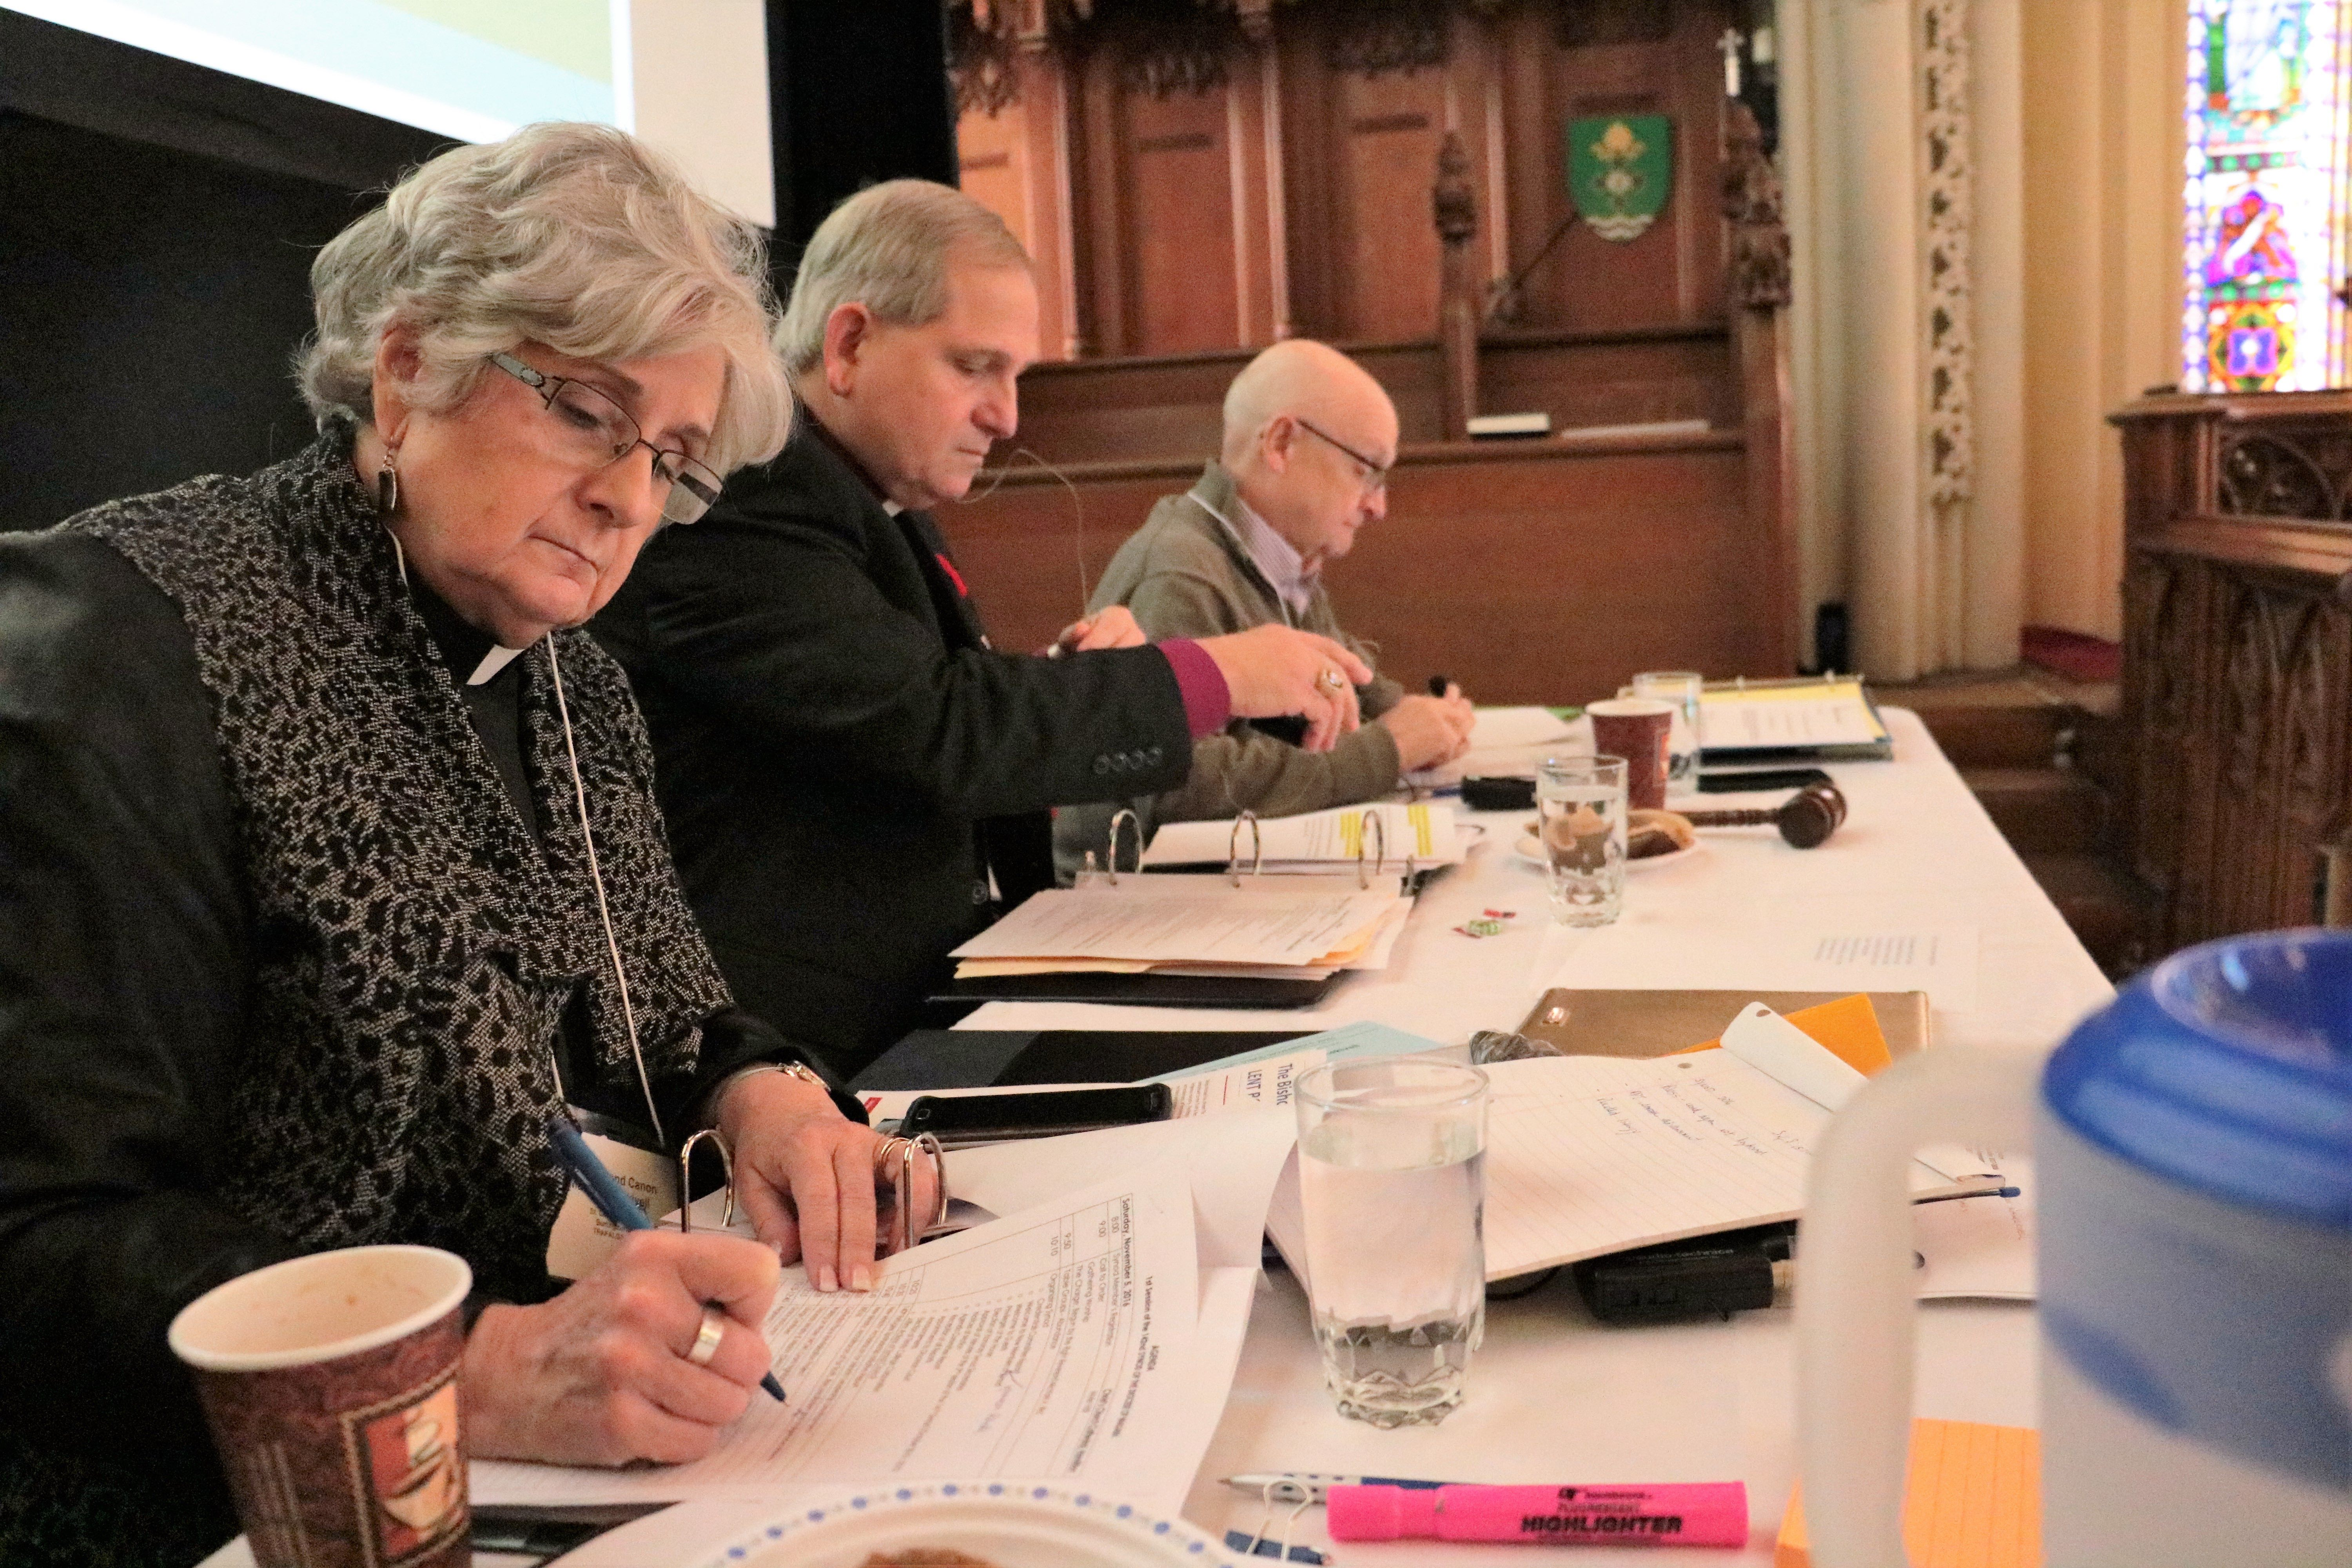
1554	1397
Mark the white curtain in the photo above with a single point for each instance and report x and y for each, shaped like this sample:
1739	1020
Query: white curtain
1902	134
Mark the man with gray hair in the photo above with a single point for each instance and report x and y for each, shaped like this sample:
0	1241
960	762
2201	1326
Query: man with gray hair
1308	440
853	778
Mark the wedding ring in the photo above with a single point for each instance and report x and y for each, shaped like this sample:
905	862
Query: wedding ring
1331	680
707	1337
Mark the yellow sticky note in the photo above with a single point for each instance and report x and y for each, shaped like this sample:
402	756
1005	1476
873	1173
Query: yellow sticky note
1972	1499
1848	1027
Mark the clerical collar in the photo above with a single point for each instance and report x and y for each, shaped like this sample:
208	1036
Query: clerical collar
463	645
840	449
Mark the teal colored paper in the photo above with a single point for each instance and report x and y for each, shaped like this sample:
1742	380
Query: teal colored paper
1337	1045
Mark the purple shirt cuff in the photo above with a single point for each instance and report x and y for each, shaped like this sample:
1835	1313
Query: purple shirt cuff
1208	701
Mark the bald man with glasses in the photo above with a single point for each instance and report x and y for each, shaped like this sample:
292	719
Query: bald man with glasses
1310	437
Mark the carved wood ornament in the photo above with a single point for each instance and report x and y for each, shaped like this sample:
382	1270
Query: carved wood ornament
1751	204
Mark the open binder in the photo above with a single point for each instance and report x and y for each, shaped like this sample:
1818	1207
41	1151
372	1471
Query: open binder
1808	719
1235	939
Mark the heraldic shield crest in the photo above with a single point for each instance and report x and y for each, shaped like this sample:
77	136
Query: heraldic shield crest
1620	169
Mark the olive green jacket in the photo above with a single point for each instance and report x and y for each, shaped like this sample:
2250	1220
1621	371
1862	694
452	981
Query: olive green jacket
1184	574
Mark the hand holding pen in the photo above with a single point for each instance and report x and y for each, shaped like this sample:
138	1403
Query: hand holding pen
606	1373
613	1202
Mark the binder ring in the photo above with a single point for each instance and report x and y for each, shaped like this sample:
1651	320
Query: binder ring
1110	861
902	1222
684	1179
1233	847
1371	824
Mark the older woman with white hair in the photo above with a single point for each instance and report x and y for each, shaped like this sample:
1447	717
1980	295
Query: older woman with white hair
330	871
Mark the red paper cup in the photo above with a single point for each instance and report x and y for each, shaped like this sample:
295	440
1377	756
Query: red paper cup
1638	729
331	1382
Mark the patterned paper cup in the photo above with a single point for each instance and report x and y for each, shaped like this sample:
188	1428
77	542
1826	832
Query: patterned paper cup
331	1382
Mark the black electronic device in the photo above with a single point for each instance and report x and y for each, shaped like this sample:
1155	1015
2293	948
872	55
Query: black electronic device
1504	794
1731	780
1677	1282
964	1120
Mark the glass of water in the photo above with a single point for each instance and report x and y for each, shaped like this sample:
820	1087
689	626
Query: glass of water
1391	1177
1682	687
1580	817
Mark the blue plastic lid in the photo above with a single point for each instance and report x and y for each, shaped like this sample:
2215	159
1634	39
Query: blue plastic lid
2228	1068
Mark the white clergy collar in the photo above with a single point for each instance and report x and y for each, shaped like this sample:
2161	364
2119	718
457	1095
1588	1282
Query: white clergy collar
496	659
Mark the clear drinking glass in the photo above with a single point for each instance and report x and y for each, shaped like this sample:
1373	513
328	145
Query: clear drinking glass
1580	817
1391	1177
1681	688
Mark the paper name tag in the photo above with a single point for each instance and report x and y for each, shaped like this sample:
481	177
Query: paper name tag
583	1238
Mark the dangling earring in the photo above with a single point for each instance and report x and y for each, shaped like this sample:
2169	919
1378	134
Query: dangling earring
387	488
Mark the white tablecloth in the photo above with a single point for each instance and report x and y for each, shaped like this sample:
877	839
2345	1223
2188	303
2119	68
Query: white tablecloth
1553	1397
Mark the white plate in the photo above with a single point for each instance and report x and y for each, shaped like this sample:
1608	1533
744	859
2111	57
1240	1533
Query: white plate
1007	1524
1528	849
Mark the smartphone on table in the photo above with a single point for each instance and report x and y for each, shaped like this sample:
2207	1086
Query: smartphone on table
964	1121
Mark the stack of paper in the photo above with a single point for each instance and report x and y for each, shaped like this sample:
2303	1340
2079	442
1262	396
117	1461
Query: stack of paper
1415	837
1292	929
1827	718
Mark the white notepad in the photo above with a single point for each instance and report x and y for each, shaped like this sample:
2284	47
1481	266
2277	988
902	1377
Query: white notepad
1590	1156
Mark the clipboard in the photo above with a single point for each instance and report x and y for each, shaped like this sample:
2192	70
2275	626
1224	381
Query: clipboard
1658	1023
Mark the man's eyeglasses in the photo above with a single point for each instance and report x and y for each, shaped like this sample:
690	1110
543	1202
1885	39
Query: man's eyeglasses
1376	475
600	432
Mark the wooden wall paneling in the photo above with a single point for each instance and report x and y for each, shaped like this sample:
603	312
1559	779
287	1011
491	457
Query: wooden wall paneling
1392	94
1630	378
1308	161
1045	94
1254	228
1102	248
1274	128
2237	655
1673	270
1529	575
1179	240
1526	39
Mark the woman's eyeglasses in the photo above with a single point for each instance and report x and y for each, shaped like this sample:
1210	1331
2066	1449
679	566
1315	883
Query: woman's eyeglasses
601	433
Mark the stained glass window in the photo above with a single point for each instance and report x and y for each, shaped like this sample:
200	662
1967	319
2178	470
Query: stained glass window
2266	195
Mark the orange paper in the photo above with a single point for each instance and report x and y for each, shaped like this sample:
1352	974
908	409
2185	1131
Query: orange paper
1973	1500
1848	1027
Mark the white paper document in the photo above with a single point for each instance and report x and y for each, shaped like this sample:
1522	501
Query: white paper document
1057	1343
1199	919
1424	832
1812	715
1265	1085
1589	1155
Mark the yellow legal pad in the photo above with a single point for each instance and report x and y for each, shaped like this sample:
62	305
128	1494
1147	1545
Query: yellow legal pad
1973	1500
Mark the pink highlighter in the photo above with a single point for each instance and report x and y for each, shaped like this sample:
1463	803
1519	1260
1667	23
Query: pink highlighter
1695	1513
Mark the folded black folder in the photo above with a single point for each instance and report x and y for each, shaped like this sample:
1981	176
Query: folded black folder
972	1058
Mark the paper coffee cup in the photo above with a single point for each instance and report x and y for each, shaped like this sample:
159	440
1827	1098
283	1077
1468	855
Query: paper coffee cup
331	1385
1640	729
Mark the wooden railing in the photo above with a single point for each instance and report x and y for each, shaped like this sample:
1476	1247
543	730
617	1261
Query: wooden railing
2238	657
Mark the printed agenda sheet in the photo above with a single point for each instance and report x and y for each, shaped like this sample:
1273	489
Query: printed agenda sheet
1054	1342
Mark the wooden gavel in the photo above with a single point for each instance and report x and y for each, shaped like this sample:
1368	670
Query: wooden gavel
1805	819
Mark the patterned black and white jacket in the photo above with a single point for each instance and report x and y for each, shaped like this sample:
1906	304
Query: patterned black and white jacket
283	963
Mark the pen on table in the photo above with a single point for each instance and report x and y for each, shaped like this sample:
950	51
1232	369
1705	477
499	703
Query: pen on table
1310	1486
611	1199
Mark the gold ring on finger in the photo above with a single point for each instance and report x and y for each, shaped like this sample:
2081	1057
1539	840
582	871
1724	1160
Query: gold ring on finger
707	1337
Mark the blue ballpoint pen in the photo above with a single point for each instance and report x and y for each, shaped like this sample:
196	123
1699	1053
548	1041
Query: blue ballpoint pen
611	1199
1306	1486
